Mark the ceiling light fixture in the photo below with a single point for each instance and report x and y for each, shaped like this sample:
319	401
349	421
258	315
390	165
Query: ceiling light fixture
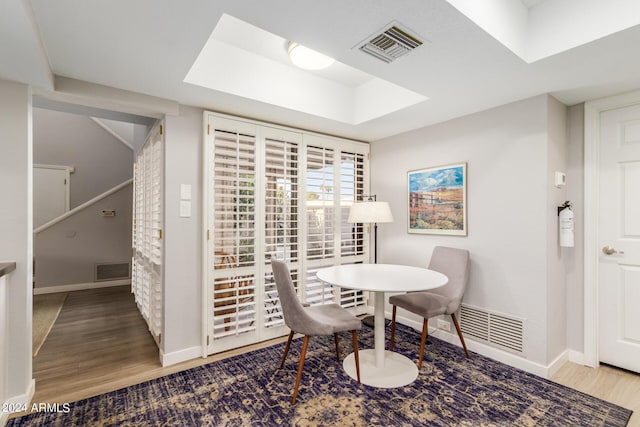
308	59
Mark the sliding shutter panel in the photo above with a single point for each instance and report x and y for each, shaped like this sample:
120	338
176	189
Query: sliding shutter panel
148	184
281	212
146	278
352	243
234	230
155	208
320	216
351	190
136	234
135	220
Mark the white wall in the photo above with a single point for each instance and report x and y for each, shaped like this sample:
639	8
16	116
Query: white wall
183	236
101	161
67	252
574	257
16	232
556	304
506	152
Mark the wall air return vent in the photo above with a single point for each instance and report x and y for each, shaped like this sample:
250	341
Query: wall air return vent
503	331
112	271
390	44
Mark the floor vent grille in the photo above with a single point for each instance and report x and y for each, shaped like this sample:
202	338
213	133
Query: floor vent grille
112	271
390	44
506	332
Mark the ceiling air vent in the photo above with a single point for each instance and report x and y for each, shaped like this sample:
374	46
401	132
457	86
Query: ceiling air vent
390	44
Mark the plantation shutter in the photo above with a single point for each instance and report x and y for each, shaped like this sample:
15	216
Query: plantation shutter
136	225
155	253
320	217
281	213
234	229
275	192
146	281
352	248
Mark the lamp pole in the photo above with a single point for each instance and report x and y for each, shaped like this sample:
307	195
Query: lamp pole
372	198
370	320
375	242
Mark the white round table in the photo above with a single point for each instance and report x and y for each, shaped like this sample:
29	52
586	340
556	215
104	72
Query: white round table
378	367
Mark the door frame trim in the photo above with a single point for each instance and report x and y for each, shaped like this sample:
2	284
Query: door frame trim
592	111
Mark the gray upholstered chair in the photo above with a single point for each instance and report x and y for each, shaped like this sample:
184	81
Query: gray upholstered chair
453	263
327	319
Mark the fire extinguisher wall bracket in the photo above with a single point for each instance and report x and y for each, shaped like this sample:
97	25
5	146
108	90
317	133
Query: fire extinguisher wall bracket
566	205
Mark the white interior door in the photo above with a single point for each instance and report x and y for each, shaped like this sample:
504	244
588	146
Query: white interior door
50	193
619	238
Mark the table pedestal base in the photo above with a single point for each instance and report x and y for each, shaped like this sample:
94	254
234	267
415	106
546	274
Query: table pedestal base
397	371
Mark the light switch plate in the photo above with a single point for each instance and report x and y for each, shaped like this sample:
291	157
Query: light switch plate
185	191
185	209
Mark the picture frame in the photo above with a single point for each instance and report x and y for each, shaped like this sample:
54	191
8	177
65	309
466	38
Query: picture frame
437	200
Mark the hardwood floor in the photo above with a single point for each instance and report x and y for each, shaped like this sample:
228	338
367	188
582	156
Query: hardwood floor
98	337
606	382
100	343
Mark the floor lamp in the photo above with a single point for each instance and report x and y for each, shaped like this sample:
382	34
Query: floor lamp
371	212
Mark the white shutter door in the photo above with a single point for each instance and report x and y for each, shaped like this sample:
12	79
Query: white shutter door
233	200
146	279
352	242
281	214
146	248
138	242
320	222
134	227
155	253
134	219
334	180
155	211
272	193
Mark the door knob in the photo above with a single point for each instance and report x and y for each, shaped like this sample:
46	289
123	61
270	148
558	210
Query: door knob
608	250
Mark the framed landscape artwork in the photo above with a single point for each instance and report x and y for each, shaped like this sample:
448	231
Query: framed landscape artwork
438	200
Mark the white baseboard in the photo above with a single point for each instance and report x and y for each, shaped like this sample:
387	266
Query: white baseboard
492	352
557	363
172	358
80	286
20	401
576	357
417	325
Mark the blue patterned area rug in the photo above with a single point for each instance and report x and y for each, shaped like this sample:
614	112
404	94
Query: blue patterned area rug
247	390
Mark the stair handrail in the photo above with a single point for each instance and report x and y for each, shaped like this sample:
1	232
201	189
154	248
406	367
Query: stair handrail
82	206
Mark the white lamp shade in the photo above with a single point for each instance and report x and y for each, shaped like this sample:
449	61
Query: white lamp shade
368	212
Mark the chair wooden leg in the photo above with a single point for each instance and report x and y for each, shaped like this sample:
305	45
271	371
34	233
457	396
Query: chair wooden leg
286	350
303	353
335	338
354	336
393	329
423	340
455	322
